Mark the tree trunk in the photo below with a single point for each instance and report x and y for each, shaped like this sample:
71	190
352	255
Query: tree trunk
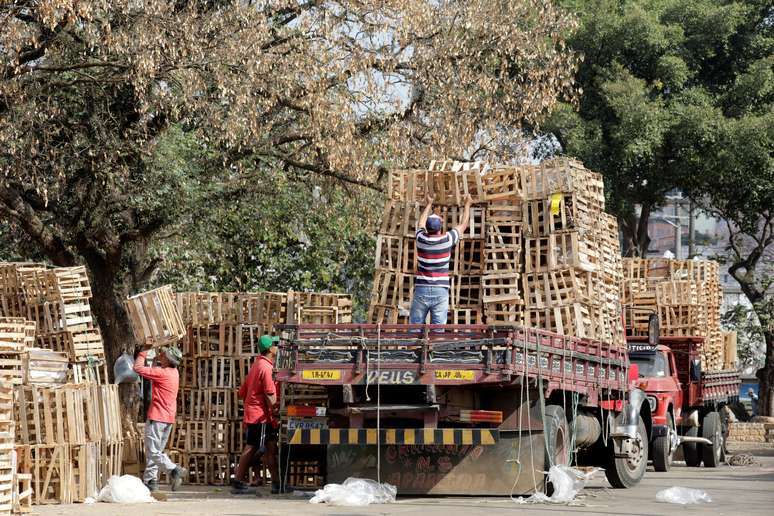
636	239
766	378
114	324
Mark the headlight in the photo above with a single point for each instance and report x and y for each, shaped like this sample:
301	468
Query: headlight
653	402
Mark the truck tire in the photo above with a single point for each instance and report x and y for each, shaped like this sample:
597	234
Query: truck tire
691	451
712	429
623	472
662	448
557	437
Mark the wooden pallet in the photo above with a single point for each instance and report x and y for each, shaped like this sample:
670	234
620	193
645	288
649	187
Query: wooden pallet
562	175
671	293
400	219
57	316
305	474
503	185
468	257
217	373
573	320
560	212
503	312
11	369
56	416
389	252
86	468
201	436
52	474
472	315
206	404
188	373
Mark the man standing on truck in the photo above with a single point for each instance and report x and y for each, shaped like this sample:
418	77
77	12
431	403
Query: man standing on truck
165	380
434	247
259	394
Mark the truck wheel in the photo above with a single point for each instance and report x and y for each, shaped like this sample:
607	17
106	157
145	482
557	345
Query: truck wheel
628	471
691	450
712	429
557	442
662	448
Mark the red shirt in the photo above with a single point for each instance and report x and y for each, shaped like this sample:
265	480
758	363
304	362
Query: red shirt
165	382
254	389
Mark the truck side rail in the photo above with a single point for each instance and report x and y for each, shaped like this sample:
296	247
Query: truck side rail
447	355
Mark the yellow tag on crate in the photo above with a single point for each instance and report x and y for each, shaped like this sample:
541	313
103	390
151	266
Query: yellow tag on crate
556	202
321	374
454	374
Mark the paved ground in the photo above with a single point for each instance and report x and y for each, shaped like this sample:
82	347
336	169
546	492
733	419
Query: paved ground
745	490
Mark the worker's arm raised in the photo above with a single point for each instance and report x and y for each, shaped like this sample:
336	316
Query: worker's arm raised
463	226
426	213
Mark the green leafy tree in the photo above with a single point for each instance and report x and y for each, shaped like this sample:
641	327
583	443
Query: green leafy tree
679	94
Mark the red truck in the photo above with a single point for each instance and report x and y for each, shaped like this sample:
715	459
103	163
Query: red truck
461	409
684	401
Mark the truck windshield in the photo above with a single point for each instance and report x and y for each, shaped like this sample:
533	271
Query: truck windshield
651	364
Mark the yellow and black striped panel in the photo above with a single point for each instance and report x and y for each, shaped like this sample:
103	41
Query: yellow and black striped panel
415	436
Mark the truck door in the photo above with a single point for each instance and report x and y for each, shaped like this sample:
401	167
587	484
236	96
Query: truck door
678	386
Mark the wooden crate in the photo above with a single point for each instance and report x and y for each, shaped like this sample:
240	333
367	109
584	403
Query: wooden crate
503	312
206	404
89	371
305	474
110	410
7	473
389	252
111	462
573	320
86	468
236	439
207	469
474	315
217	373
468	257
559	250
201	436
464	292
189	373
499	259
558	287
6	401
154	318
52	474
57	316
561	212
563	175
501	287
503	185
22	493
400	219
265	308
671	293
206	308
72	283
318	308
54	416
45	367
16	334
11	368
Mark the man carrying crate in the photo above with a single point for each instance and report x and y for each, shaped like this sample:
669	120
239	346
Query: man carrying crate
165	380
259	393
434	247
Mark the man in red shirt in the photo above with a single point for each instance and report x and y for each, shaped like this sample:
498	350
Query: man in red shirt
259	394
165	381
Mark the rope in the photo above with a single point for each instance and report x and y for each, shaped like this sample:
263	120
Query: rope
379	403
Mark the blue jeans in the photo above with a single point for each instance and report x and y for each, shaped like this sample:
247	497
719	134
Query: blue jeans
429	299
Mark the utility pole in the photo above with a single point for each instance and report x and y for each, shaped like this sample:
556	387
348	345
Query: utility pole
678	229
691	241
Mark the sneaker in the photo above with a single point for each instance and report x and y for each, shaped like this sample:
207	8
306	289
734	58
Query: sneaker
239	488
152	485
176	478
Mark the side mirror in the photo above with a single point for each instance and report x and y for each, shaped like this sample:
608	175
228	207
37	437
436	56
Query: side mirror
696	370
634	372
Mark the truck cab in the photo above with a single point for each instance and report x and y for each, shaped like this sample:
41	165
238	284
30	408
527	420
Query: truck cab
659	379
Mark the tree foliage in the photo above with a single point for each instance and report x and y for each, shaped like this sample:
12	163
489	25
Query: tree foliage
652	71
90	90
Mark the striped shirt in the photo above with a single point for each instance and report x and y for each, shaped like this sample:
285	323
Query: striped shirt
433	254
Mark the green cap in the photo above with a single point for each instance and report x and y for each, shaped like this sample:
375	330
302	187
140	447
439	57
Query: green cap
266	342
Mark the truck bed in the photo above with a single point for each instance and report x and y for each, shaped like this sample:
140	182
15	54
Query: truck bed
402	354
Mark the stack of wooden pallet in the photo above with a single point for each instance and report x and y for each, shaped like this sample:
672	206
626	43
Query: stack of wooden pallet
67	421
572	255
56	300
221	343
540	249
686	296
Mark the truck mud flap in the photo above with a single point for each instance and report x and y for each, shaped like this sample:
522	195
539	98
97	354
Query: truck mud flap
405	436
513	462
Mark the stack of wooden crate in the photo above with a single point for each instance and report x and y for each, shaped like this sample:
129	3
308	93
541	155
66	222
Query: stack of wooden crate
223	330
540	249
67	421
572	255
686	296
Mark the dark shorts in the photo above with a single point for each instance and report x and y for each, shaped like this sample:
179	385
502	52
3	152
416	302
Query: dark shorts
258	433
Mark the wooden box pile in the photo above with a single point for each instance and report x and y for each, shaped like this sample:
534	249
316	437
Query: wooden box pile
221	343
686	296
67	422
539	251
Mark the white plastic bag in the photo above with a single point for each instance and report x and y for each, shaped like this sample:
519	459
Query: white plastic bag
356	492
567	482
123	369
683	495
125	489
